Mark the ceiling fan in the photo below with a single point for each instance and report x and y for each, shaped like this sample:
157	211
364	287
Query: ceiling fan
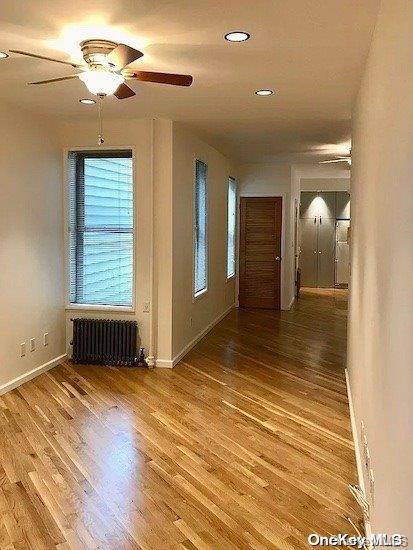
346	159
106	69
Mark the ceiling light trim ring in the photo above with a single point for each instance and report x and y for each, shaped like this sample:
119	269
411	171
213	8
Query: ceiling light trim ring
264	92
237	36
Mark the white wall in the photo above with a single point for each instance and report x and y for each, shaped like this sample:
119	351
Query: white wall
381	310
163	250
165	156
265	180
325	184
192	317
31	236
139	135
317	170
323	177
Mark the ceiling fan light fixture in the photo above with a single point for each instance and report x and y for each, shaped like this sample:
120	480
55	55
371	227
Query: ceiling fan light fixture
237	36
4	55
100	82
87	101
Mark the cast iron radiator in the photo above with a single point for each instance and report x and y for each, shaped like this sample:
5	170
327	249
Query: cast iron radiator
104	342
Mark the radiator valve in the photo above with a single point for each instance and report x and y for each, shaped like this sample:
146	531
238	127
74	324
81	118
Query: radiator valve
141	359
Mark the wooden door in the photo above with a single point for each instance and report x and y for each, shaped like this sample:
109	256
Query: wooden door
260	252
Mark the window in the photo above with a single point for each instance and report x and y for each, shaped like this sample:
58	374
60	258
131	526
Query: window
101	227
201	239
231	236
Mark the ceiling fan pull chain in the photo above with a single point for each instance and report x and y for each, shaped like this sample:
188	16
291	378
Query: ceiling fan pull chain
101	139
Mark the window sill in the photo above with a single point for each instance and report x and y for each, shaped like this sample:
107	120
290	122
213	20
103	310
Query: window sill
200	295
96	307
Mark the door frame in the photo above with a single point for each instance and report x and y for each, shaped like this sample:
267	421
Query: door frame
284	259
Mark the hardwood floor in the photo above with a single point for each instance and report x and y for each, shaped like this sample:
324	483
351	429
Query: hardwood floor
245	444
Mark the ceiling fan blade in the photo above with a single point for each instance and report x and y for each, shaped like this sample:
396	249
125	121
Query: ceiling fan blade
123	55
75	65
54	79
334	160
123	92
161	78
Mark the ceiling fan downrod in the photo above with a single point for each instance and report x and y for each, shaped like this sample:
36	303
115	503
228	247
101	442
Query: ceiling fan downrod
101	139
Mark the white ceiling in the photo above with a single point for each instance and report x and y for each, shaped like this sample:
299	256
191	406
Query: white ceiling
311	52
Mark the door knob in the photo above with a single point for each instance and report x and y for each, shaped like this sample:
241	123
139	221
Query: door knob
277	259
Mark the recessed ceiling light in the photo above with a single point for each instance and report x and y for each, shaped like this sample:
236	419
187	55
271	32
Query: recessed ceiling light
264	92
3	55
87	101
237	36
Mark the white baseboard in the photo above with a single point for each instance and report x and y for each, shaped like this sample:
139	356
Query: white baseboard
16	382
169	364
357	451
164	363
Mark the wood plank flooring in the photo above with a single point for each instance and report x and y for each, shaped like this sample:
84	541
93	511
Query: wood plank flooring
245	444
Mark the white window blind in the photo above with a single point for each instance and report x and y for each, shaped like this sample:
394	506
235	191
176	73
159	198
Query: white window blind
201	237
101	227
231	235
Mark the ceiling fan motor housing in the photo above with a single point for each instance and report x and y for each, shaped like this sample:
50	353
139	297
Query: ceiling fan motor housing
95	51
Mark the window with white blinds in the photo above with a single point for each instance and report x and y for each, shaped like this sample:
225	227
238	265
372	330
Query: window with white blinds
232	223
200	229
101	227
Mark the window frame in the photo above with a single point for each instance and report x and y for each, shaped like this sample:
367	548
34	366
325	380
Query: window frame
233	275
66	198
196	295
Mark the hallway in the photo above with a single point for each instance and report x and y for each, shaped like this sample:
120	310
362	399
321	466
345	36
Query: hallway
245	444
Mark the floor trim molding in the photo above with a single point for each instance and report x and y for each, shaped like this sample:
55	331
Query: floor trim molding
292	302
19	380
169	364
357	451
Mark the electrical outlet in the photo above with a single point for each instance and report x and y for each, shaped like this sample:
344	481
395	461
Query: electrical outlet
22	349
146	307
46	339
32	344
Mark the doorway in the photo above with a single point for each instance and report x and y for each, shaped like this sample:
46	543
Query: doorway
260	252
324	251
